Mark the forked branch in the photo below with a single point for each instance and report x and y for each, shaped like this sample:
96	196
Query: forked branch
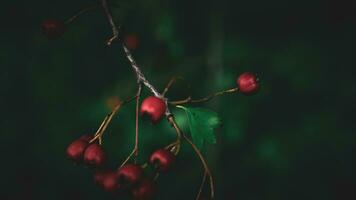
115	29
141	79
99	133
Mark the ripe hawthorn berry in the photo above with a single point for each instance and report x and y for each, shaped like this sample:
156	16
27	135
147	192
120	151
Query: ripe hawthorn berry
94	155
154	108
248	83
108	180
145	190
75	151
162	160
53	28
129	174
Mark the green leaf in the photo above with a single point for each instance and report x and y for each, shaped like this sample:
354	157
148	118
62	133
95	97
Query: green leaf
202	123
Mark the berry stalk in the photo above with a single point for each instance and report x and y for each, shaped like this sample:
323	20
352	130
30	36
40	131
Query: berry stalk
142	79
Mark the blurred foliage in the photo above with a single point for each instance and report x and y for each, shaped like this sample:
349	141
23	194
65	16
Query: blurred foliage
294	140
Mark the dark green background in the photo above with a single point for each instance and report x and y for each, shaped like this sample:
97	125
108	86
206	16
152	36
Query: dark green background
294	140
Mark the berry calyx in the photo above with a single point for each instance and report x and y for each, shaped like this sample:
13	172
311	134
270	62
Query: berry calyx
129	174
94	155
162	160
108	180
154	107
248	83
145	190
75	151
52	28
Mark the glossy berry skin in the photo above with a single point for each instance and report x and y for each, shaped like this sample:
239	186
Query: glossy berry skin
154	107
108	180
52	28
145	190
94	155
163	160
248	83
129	174
75	151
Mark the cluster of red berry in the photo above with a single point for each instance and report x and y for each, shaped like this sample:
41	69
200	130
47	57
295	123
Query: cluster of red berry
131	177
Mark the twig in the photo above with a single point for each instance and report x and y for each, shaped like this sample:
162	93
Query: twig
108	119
175	145
201	187
139	75
205	99
134	152
170	83
138	95
201	157
128	158
115	30
142	79
70	20
205	165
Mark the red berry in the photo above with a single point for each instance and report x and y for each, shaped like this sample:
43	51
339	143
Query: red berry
108	180
162	159
145	190
129	174
154	107
75	151
248	83
94	155
53	28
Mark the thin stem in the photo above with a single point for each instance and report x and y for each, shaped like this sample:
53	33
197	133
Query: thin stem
138	95
115	30
105	125
134	152
205	99
142	79
108	119
170	83
102	124
201	157
89	8
176	145
128	158
173	122
205	165
111	115
201	187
